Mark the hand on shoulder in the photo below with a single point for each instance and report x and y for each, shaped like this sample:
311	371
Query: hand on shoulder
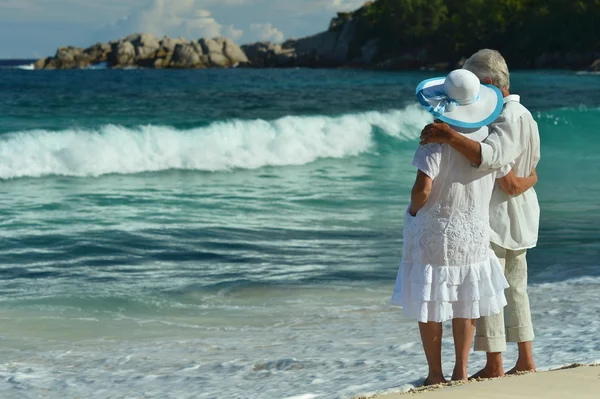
437	132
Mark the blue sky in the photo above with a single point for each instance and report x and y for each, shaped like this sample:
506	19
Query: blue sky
35	28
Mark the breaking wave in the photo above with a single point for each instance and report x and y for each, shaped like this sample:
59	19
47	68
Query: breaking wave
226	145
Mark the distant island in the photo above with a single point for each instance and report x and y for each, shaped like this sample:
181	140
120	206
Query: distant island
383	34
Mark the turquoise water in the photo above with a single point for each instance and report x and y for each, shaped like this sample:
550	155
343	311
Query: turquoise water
236	233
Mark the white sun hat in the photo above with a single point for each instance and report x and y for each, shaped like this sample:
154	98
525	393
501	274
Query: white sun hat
459	99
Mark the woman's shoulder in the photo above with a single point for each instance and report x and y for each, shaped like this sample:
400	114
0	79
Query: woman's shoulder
479	134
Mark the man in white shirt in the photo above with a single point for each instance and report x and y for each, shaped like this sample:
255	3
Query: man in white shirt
514	139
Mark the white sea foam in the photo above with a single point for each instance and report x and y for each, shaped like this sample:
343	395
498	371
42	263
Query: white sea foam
320	351
26	67
226	145
102	65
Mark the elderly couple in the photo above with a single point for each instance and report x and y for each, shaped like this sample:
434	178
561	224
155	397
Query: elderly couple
474	186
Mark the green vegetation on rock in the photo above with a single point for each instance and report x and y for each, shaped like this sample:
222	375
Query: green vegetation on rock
525	31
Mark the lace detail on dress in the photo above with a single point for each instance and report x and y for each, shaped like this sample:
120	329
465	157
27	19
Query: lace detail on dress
448	270
443	236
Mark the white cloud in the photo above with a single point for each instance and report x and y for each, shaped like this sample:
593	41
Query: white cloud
232	33
43	25
173	18
267	32
347	4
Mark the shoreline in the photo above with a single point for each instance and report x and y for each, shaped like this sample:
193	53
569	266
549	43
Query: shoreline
577	380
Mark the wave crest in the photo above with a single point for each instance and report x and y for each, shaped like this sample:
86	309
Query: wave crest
244	144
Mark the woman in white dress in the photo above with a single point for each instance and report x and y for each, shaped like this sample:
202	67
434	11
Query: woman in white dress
448	271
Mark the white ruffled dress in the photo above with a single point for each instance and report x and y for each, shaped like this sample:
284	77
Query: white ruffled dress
448	269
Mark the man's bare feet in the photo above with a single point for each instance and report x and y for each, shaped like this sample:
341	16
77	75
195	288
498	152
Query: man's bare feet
429	381
522	368
488	372
525	363
460	374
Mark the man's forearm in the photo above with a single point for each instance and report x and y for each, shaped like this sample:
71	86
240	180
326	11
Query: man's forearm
513	185
470	149
522	184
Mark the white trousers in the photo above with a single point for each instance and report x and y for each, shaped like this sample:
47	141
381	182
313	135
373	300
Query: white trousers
514	323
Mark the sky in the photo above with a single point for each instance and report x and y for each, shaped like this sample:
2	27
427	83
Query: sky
35	28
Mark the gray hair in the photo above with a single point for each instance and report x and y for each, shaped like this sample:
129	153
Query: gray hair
488	63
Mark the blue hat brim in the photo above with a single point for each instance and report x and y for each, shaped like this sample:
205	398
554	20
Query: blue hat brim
455	122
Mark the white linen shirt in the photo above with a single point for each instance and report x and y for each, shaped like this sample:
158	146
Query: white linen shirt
514	137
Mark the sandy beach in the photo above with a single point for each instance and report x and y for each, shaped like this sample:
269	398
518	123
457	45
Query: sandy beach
577	381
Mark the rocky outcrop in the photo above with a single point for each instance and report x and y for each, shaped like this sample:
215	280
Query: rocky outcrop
325	49
336	47
364	38
65	58
145	50
332	48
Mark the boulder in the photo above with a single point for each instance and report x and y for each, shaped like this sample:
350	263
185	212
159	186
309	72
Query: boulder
234	53
198	47
160	63
219	61
222	52
168	44
98	52
52	64
269	55
165	51
186	56
212	46
122	54
41	63
83	60
66	57
146	45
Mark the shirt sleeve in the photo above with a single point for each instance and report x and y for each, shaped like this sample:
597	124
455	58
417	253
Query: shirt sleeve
504	144
502	172
428	159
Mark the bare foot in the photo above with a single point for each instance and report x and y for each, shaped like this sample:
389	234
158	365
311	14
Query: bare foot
525	363
488	372
522	368
459	375
429	381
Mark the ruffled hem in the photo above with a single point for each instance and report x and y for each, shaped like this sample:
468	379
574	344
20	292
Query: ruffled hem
440	293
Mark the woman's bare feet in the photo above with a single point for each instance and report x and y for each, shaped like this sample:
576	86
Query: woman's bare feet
436	380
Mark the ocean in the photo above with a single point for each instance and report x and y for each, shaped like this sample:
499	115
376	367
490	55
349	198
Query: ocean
237	233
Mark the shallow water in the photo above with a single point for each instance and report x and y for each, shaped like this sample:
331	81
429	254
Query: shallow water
237	233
